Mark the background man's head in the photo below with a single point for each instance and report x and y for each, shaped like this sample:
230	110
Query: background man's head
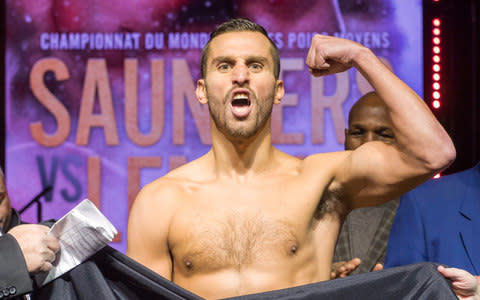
368	121
5	206
238	25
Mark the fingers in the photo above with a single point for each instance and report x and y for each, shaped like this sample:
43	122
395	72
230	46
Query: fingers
333	275
349	267
318	73
49	255
38	247
329	55
310	56
452	273
52	243
378	267
355	262
337	269
47	258
343	268
316	59
464	284
352	264
45	267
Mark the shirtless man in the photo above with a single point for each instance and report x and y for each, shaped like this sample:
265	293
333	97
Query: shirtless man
248	218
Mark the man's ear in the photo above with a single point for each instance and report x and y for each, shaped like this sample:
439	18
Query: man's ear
201	91
279	92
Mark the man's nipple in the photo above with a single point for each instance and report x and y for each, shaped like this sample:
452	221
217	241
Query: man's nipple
293	249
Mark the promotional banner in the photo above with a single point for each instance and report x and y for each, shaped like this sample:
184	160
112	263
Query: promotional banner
100	95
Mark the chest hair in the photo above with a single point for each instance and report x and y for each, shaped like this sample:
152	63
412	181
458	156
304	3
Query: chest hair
239	240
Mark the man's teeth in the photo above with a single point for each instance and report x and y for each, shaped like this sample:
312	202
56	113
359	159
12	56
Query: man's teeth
240	96
240	99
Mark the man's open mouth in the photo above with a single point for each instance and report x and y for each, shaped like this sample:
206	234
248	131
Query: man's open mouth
241	99
241	104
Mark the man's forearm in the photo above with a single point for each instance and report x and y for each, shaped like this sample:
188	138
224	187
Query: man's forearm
418	132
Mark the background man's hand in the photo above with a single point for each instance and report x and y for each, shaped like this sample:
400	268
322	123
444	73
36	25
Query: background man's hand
344	268
464	284
38	247
378	267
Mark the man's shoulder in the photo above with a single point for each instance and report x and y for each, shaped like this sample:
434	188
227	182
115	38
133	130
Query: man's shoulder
194	171
175	181
161	190
328	155
328	160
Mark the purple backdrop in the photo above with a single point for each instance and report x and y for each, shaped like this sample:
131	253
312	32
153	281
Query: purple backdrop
100	94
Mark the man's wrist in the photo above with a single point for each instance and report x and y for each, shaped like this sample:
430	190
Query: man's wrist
362	56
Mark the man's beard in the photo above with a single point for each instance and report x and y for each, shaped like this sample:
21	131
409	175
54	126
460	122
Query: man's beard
236	130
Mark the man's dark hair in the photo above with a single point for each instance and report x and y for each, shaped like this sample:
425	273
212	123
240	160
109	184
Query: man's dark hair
238	25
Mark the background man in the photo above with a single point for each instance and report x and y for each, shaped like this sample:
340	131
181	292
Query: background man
246	217
25	249
364	234
362	242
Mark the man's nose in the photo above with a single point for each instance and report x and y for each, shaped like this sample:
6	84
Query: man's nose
368	137
241	74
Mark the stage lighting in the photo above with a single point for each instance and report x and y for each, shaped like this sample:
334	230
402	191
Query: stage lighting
436	66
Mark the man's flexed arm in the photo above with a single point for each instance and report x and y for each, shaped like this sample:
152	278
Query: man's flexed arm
423	149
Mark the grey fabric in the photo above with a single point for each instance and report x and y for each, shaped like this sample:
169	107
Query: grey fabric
364	234
14	277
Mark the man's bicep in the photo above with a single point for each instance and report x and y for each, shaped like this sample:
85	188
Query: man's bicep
375	173
147	235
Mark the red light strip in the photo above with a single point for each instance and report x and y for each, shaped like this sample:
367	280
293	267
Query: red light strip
436	65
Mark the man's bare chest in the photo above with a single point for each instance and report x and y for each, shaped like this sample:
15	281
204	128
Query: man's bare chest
235	228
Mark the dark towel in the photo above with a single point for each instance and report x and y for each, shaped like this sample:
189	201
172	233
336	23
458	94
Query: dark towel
110	275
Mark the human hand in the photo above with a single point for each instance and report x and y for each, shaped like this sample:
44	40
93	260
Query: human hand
330	55
344	268
464	284
38	247
378	267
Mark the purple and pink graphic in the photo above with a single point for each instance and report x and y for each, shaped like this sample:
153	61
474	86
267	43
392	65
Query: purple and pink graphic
100	94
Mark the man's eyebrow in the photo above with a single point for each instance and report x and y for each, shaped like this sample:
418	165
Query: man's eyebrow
256	58
384	128
221	59
249	59
357	126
